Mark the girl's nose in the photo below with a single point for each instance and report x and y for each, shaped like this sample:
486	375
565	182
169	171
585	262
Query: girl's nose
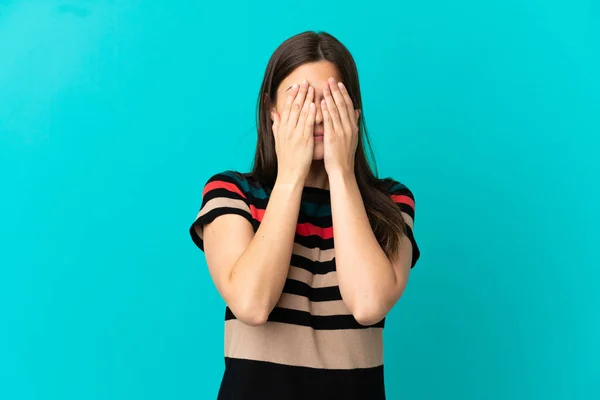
319	116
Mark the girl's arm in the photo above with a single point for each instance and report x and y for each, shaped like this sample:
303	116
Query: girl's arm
370	283
248	269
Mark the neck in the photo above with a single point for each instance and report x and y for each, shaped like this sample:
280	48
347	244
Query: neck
317	176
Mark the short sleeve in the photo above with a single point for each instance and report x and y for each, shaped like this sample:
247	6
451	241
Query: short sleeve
404	198
224	193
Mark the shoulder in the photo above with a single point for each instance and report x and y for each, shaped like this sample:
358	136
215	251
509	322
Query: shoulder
231	176
399	193
395	187
241	183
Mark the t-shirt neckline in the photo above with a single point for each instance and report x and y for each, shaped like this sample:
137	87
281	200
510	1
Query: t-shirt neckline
316	195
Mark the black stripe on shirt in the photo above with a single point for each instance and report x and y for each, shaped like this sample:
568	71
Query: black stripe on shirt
318	322
251	380
330	293
316	267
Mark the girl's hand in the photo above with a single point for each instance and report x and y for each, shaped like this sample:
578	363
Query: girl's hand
340	120
293	132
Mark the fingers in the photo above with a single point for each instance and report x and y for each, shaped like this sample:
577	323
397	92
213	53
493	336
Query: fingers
309	125
306	107
285	112
297	104
349	106
327	123
340	104
334	113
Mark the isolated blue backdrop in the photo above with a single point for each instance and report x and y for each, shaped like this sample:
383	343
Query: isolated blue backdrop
113	115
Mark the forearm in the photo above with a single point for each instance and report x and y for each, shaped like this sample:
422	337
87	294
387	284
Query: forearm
365	274
260	273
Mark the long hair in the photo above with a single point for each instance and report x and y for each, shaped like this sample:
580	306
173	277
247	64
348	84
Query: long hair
384	215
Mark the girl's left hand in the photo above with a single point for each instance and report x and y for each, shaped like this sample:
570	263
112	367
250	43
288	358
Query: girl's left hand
340	121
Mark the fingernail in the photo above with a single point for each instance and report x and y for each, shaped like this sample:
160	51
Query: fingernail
341	85
304	83
294	86
331	80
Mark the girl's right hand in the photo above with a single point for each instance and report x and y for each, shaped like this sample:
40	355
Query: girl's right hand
293	132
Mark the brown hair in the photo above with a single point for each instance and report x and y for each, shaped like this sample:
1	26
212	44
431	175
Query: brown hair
384	215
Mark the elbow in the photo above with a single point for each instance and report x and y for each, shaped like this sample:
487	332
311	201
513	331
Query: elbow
252	314
372	311
374	307
253	319
367	316
369	311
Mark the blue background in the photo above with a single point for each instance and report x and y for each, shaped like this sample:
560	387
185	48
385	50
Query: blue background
113	115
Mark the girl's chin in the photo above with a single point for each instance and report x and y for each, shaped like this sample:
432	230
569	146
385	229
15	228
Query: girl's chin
317	154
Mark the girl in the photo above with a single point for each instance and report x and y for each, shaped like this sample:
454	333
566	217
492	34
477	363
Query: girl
304	315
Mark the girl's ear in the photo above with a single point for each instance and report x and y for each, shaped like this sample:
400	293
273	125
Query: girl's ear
357	112
267	103
273	110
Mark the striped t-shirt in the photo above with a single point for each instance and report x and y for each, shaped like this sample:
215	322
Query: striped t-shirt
311	347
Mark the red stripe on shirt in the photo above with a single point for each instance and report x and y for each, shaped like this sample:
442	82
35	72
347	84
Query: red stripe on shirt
400	198
304	229
307	229
257	213
222	185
